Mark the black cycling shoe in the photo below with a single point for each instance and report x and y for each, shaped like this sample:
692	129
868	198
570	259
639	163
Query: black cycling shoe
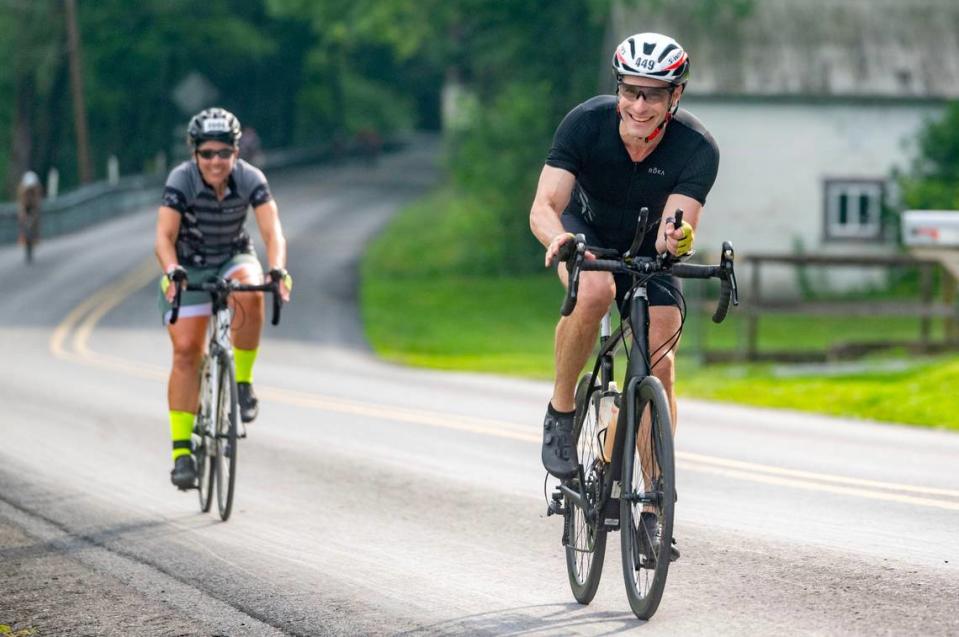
249	405
559	448
183	475
650	537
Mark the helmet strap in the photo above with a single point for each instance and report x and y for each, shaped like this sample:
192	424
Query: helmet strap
659	129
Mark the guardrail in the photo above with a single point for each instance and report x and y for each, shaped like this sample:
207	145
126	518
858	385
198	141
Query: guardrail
86	205
92	203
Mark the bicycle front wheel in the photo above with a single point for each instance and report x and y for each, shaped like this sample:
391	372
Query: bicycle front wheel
585	534
648	500
226	446
204	444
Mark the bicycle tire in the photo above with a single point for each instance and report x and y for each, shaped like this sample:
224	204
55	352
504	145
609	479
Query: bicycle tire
585	540
645	578
204	451
226	440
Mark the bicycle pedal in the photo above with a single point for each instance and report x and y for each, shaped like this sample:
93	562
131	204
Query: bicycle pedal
555	507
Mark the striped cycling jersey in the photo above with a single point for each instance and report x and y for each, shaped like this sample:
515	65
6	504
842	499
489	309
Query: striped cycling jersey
211	230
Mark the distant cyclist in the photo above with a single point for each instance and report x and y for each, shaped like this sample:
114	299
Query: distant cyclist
200	233
611	156
29	200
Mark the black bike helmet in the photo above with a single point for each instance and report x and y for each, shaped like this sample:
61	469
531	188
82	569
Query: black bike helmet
214	124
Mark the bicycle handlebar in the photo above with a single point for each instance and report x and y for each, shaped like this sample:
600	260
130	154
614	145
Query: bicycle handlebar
574	254
228	286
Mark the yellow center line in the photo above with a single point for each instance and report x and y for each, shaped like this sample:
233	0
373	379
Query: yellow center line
117	292
83	319
818	486
797	473
498	428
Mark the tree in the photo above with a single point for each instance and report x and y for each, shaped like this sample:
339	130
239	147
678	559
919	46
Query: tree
31	39
933	182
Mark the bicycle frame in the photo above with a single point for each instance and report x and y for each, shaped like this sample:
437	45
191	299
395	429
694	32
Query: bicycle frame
218	365
218	345
637	370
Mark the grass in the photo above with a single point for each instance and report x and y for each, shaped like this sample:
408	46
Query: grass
920	395
425	311
486	324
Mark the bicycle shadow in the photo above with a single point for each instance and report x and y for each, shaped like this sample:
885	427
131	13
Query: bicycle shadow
563	619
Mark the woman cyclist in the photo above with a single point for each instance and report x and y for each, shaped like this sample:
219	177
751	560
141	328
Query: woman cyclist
200	233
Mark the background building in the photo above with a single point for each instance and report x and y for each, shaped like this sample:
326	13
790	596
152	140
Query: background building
814	105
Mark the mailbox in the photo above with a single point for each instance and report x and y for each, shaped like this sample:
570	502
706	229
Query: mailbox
930	228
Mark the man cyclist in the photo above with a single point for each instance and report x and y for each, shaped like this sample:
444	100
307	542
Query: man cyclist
611	156
200	233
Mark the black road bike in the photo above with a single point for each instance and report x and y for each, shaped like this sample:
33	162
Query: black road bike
216	428
628	484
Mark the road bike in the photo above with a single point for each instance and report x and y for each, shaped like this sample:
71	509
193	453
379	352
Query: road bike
216	426
626	476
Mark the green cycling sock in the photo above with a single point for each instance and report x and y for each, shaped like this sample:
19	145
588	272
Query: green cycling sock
181	427
243	358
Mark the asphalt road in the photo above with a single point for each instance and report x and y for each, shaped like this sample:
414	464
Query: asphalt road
374	499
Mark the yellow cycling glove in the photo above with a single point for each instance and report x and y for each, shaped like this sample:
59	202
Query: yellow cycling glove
685	245
281	275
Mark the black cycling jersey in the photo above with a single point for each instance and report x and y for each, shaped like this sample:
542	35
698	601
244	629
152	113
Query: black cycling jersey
211	230
611	188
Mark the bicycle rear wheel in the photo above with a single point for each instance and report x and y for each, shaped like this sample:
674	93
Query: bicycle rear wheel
204	444
585	534
648	487
226	446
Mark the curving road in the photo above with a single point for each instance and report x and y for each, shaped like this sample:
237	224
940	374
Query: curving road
374	499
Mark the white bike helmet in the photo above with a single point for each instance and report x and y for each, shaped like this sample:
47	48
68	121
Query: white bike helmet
29	180
652	55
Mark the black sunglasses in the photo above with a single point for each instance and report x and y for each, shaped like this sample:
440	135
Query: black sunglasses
652	94
223	153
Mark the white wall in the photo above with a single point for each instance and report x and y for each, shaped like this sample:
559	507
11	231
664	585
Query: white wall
774	157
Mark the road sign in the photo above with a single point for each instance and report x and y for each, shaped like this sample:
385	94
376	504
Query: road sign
193	93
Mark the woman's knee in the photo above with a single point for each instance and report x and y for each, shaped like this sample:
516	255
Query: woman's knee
187	353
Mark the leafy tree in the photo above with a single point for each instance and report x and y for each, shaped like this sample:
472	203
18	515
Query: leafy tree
134	56
33	77
933	182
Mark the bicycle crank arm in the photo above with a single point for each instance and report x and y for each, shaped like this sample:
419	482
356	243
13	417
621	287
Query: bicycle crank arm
578	499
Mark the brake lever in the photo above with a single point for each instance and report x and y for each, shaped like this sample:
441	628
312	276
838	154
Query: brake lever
640	232
573	267
726	261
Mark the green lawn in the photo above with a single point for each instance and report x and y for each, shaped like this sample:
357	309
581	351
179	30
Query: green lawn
415	314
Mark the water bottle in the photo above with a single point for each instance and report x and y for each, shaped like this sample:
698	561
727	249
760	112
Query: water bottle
608	416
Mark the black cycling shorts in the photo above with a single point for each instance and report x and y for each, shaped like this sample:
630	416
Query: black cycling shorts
661	289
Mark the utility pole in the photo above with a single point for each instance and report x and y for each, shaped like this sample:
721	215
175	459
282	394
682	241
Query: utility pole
76	86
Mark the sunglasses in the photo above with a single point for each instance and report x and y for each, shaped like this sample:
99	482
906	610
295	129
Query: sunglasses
223	153
652	94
